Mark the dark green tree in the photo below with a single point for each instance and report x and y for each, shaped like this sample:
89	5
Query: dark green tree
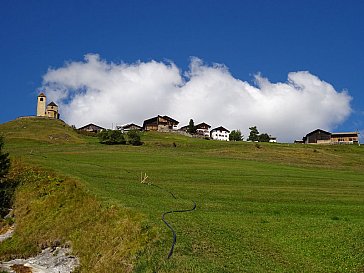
235	135
111	137
134	138
191	127
254	134
7	187
4	160
264	138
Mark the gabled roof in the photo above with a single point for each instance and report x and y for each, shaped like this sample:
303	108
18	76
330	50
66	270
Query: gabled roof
155	119
202	124
52	104
318	130
130	125
41	95
220	128
170	119
91	124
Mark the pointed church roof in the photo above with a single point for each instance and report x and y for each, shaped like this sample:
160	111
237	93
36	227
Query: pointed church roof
41	95
52	104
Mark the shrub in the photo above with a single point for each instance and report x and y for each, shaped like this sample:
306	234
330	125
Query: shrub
7	186
4	160
111	137
134	138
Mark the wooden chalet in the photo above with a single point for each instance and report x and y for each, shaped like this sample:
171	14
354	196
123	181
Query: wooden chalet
203	129
160	123
91	128
317	137
345	138
129	127
323	137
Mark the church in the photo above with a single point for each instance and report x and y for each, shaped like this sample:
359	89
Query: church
50	111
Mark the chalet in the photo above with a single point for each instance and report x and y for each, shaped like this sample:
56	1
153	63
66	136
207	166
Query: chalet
345	138
129	127
220	133
317	137
203	129
323	137
160	123
91	128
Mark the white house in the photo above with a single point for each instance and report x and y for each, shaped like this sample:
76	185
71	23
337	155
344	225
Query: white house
272	139
220	133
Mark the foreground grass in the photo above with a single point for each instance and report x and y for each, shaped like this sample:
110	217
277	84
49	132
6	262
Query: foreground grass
51	210
266	208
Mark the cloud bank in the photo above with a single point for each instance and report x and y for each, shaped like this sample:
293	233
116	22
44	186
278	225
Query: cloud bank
104	93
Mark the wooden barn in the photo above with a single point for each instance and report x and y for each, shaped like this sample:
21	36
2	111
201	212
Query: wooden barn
317	137
91	128
323	137
160	123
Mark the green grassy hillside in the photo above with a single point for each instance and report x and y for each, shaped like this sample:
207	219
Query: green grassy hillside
260	207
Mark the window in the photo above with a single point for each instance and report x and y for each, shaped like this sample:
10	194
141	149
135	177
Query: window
41	99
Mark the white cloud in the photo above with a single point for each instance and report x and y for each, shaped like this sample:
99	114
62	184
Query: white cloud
104	93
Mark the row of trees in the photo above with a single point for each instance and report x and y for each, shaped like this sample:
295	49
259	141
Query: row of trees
113	137
254	135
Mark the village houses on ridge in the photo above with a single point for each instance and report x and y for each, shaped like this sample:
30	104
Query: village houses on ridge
167	124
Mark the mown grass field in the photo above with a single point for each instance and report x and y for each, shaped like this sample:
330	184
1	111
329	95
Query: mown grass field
260	208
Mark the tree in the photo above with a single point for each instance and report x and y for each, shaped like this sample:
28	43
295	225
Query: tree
264	138
134	138
111	137
7	187
191	127
235	135
4	160
254	134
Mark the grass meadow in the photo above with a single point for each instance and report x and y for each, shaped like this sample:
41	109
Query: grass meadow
260	207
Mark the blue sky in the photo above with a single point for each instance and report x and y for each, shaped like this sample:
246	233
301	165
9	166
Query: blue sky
273	38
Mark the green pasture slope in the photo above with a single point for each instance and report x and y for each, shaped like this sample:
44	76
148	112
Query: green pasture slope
260	207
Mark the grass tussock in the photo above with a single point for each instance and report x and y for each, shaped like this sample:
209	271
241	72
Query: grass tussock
50	210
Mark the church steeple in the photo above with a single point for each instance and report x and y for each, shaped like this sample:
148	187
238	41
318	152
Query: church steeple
41	105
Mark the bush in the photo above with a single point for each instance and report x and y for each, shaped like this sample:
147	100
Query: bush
235	135
134	138
111	137
7	187
4	160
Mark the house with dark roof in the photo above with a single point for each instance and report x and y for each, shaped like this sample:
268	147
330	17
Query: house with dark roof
203	129
220	133
319	136
129	127
160	123
91	128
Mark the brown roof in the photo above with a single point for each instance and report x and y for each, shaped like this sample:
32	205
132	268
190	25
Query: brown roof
41	95
52	104
221	129
93	125
202	124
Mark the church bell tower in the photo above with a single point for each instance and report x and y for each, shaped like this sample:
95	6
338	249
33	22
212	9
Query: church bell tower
41	106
